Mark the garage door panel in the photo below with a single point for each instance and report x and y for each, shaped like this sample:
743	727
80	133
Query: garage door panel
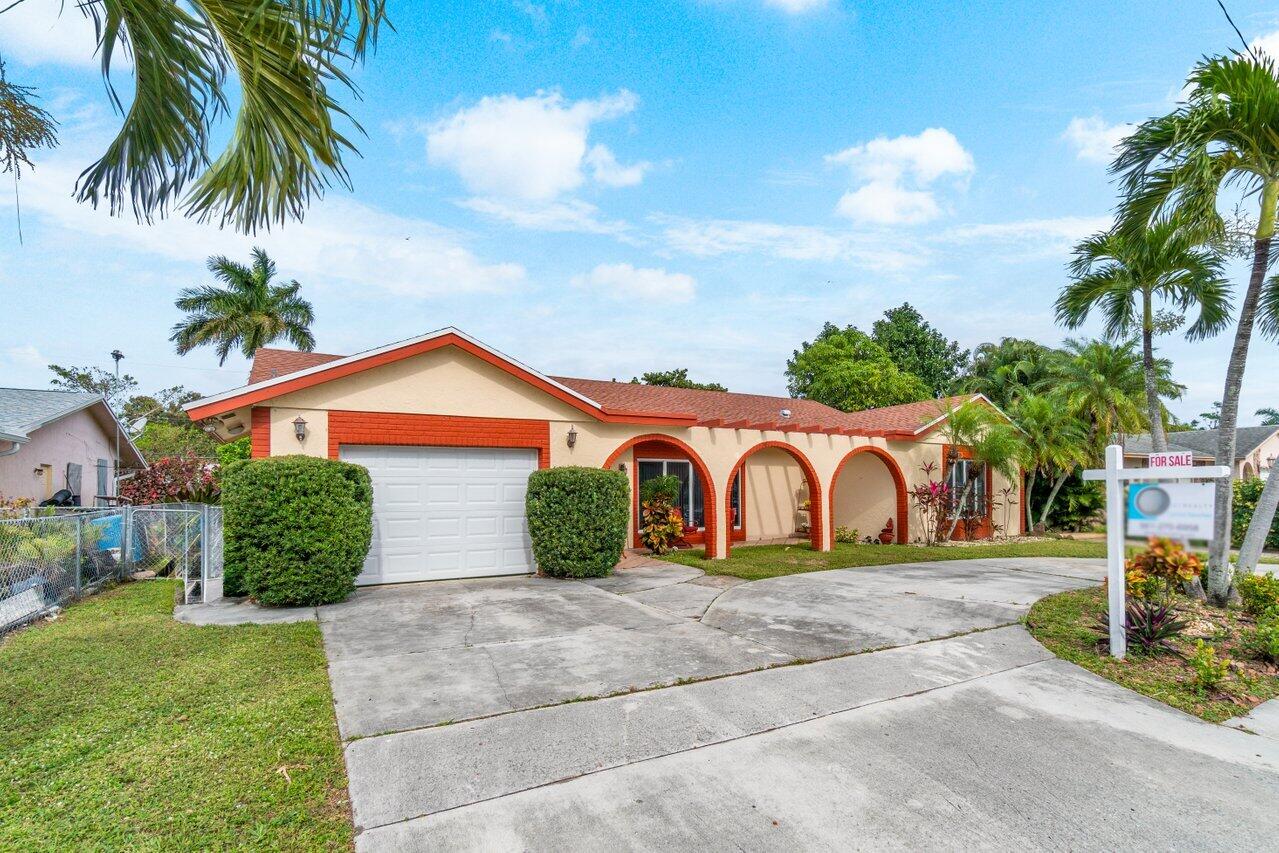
444	512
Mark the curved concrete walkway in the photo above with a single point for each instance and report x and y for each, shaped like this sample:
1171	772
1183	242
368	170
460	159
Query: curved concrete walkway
966	733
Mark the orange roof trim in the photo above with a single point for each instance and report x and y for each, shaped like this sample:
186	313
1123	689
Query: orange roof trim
277	372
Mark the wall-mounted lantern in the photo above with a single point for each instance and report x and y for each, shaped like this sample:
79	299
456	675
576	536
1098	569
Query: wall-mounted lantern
299	428
572	436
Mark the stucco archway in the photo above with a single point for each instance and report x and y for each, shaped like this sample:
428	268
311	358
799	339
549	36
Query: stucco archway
709	494
817	528
902	506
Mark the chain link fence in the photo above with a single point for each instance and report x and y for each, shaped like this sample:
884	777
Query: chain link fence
50	558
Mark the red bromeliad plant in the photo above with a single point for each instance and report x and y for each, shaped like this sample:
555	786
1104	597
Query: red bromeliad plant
932	501
172	479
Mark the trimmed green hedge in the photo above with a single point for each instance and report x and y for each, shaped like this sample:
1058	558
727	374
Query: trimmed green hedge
297	528
577	519
1247	493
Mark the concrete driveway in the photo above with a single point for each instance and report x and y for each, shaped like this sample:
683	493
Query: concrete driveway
980	740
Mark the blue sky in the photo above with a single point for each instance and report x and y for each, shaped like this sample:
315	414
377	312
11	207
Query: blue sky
604	191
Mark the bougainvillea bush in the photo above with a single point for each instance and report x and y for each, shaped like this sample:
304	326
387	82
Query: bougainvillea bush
172	479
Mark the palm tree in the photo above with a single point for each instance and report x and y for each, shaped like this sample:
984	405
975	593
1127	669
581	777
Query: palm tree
990	439
1007	370
247	313
1123	273
1222	137
1104	385
1055	445
284	147
1269	416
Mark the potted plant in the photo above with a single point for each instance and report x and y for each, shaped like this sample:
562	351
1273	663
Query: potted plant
803	516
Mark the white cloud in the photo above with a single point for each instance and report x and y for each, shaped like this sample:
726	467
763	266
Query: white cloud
25	356
1093	139
571	215
39	33
896	176
1267	44
1066	228
610	173
623	281
527	148
340	240
715	237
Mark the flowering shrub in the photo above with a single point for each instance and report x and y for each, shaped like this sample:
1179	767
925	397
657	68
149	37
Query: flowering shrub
932	501
172	479
846	534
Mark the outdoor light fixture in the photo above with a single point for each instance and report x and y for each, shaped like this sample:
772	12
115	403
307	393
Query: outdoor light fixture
572	435
299	428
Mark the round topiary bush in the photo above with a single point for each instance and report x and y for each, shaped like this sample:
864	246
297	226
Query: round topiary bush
577	519
296	529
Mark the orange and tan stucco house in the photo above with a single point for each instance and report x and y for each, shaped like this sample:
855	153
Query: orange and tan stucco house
450	429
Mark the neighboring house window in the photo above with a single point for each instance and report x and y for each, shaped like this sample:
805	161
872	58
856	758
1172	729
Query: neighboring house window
102	478
691	500
957	479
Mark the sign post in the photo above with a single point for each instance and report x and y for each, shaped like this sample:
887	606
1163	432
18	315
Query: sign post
1178	510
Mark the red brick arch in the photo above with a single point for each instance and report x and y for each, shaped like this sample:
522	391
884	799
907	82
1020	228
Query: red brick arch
899	482
708	485
817	532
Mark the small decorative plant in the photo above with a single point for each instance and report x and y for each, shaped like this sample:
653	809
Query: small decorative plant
661	525
172	479
932	500
1160	569
1260	593
1262	641
847	535
1210	669
1149	626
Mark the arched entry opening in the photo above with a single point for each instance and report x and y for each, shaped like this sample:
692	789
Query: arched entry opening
655	455
778	479
867	491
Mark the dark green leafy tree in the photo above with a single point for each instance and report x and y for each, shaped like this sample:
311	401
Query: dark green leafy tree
676	378
1125	274
846	369
159	440
164	406
1221	140
246	313
916	347
267	64
95	380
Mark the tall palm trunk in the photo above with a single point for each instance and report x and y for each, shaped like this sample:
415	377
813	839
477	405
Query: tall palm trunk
1219	575
1052	496
1030	513
1158	440
1259	528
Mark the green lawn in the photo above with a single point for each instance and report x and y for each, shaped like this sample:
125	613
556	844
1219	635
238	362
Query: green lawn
123	729
1068	625
756	562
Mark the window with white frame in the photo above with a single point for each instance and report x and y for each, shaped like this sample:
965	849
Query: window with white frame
691	501
957	480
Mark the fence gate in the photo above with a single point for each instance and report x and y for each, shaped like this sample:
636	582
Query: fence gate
181	540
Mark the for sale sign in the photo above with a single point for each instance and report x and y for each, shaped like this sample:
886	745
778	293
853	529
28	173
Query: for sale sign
1180	459
1172	509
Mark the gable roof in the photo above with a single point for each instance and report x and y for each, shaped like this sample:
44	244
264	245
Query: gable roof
1203	442
25	410
276	372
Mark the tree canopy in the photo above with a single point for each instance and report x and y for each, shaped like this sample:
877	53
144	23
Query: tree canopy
845	368
676	378
918	348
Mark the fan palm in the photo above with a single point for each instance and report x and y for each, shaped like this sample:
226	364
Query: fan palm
1123	273
1223	137
1055	444
247	313
283	147
1103	384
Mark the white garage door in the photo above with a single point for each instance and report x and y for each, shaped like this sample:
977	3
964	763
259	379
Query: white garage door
446	512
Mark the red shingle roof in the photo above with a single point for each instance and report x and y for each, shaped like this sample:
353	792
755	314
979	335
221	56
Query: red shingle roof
270	363
710	408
